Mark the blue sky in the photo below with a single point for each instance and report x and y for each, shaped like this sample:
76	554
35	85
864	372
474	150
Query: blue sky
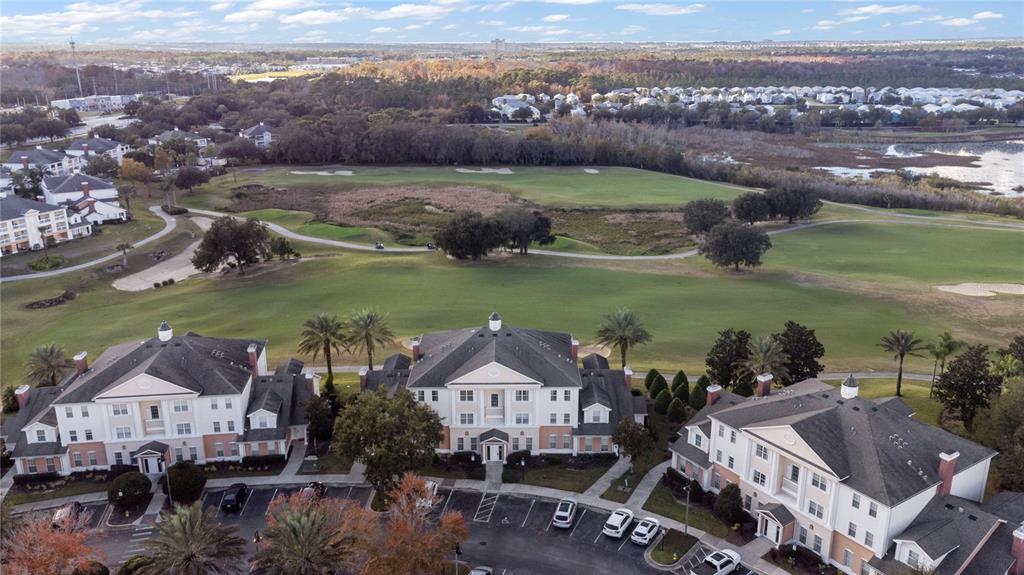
289	21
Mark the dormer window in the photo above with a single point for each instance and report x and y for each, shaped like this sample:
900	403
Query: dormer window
40	435
262	422
697	439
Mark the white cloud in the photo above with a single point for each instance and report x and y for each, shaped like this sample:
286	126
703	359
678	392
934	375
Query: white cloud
313	36
250	16
417	11
221	6
497	7
630	30
280	4
544	30
825	24
381	29
555	18
491	22
450	27
413	27
876	9
807	11
783	32
318	17
661	9
987	15
572	2
957	22
887	25
854	19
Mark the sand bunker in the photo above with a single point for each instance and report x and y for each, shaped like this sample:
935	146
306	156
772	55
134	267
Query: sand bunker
983	290
591	171
499	171
322	173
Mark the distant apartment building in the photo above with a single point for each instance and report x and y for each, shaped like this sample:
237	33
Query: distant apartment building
27	225
199	140
99	103
53	162
88	147
260	134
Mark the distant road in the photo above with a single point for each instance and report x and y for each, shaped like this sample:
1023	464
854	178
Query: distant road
874	375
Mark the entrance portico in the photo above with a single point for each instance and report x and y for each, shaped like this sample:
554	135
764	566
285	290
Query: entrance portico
495	445
151	457
776	523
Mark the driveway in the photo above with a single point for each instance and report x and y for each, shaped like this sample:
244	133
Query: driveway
177	267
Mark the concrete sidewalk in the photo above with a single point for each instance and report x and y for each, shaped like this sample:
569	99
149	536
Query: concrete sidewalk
605	481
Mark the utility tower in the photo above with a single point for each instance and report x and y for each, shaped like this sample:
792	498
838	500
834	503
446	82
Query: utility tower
499	46
74	60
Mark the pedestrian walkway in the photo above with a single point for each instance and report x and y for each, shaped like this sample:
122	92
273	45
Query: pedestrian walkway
647	484
605	481
493	477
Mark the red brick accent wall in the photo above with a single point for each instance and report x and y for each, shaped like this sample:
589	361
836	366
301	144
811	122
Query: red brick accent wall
210	441
446	439
84	449
841	542
727	474
546	430
41	464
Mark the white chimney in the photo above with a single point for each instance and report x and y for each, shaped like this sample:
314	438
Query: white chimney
165	333
849	388
494	322
764	384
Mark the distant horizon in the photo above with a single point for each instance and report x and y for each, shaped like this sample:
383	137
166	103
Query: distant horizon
467	22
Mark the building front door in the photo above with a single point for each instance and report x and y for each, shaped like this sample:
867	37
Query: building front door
495	452
152	465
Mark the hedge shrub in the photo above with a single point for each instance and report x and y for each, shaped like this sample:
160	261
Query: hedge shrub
662	402
174	210
658	386
261	460
34	478
676	411
514	458
649	378
129	489
187	482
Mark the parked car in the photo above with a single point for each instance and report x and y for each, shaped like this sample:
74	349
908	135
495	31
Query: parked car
645	531
314	490
565	513
431	246
379	245
431	499
481	570
67	515
718	563
235	497
618	523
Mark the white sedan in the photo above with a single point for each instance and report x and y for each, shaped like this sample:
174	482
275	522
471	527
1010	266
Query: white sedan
645	531
618	523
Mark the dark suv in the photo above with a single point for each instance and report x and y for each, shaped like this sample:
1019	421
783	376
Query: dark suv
235	497
314	490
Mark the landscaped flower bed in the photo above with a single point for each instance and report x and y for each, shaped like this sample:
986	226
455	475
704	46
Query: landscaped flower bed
800	561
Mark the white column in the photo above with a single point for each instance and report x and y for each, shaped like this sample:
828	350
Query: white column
506	397
773	478
137	416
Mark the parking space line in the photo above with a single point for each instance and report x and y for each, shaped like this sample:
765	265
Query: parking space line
248	497
532	502
349	494
578	521
221	504
599	534
272	497
486	508
624	540
447	501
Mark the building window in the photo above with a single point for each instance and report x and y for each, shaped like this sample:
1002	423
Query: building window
473	443
178	454
588	445
133	457
856	501
32	466
85	411
213	404
220	449
421	395
231	425
216	427
51	466
433	395
262	422
460	444
747	502
819	482
913	559
466	418
718	455
869	539
515	444
873	509
566	441
554	418
732	461
180	405
721	431
554	395
697	439
72	435
553	441
466	395
193	453
227	404
865	568
271	447
92	459
815	509
566	418
495	402
817	544
604	444
522	395
760	478
123	432
76	459
184	428
154	412
596	416
803	535
716	481
847	558
522	419
120	409
69	412
88	435
794	473
118	458
851	530
761	452
567	395
234	449
732	436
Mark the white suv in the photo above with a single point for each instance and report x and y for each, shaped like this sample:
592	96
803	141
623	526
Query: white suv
645	531
565	513
618	523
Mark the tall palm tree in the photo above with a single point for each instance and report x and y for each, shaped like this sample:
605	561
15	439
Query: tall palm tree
623	329
323	334
901	344
47	364
307	537
192	542
123	247
766	356
367	329
943	347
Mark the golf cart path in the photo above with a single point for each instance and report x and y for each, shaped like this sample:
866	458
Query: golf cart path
937	221
169	224
177	267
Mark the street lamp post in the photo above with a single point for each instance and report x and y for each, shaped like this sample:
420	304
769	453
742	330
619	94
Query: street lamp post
686	521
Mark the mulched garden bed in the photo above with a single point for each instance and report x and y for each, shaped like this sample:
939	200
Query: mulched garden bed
63	298
800	562
129	515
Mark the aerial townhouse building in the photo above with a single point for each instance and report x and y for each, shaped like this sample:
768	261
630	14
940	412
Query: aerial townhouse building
165	399
502	389
856	481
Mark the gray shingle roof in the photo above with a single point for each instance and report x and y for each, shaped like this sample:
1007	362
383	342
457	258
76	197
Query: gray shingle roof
257	130
691	452
13	207
286	394
73	183
157	446
493	434
26	449
610	386
541	355
38	408
595	361
206	365
170	134
98	145
872	449
896	404
36	156
780	512
950	525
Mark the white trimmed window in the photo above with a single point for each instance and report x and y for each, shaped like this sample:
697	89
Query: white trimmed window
732	436
817	544
760	478
88	435
92	459
466	418
913	559
721	431
118	458
32	466
69	412
761	452
567	395
433	395
123	432
869	539
604	444
566	441
522	395
553	441
76	459
731	462
227	404
72	435
219	448
466	395
873	509
40	435
421	395
51	465
718	455
460	444
819	482
180	406
184	428
515	444
697	439
85	411
851	530
553	418
262	422
234	449
216	427
554	395
815	510
596	416
231	425
522	419
213	404
856	501
566	418
119	409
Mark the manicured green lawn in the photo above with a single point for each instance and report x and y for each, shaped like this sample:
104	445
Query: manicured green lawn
622	487
550	186
331	463
672	547
562	477
302	223
915	394
662	503
73	488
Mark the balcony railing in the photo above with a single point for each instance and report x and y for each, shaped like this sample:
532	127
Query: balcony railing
154	426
